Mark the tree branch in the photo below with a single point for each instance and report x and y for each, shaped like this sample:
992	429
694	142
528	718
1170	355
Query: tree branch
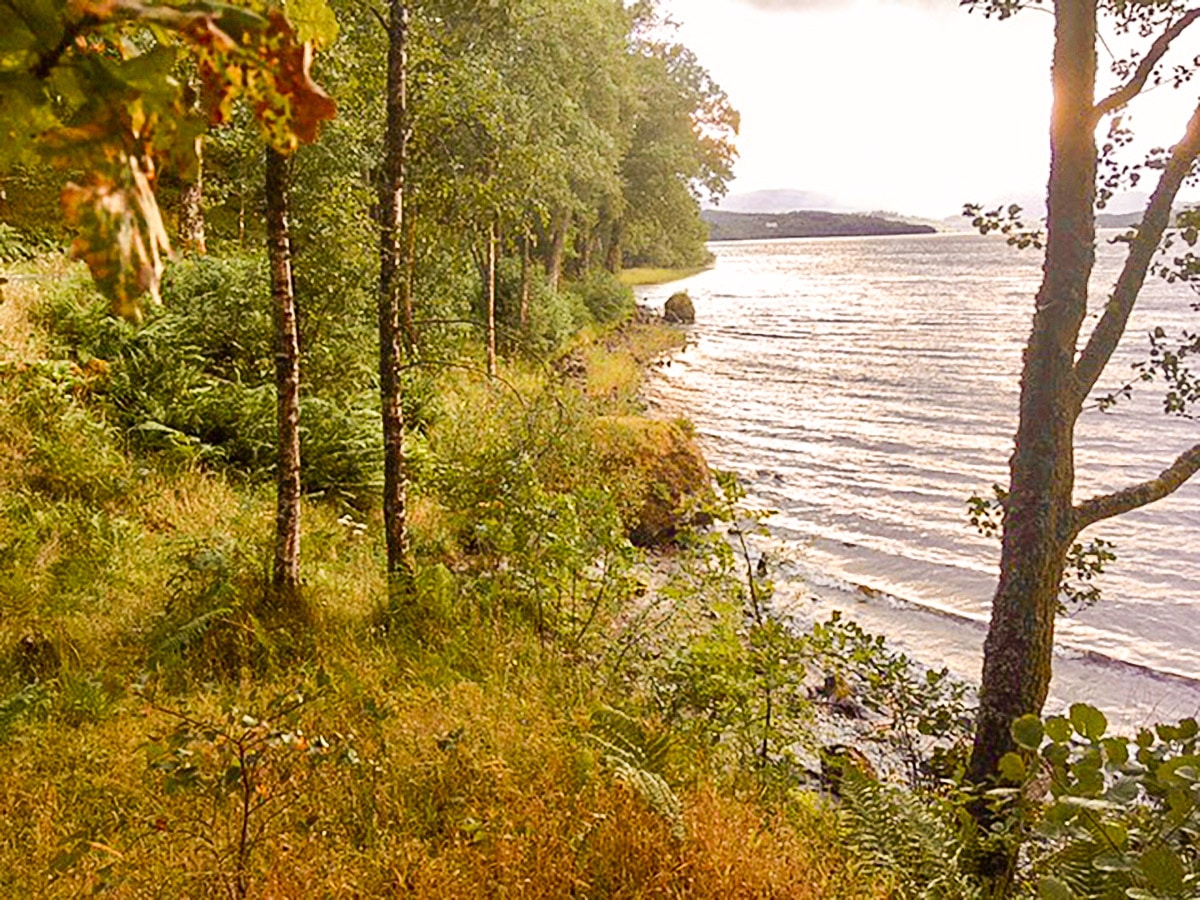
1089	512
1141	75
45	62
1111	327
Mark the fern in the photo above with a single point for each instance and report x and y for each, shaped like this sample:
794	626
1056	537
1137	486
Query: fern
906	836
638	758
190	632
16	705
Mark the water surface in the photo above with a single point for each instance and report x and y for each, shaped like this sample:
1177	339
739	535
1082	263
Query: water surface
865	388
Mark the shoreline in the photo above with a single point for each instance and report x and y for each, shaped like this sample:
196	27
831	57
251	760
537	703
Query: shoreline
1131	693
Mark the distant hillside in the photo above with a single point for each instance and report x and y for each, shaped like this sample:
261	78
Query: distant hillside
1119	220
779	201
729	226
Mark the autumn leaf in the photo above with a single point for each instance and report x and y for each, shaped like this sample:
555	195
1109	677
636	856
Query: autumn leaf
121	236
122	112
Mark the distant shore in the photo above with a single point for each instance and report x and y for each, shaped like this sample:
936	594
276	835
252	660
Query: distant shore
731	226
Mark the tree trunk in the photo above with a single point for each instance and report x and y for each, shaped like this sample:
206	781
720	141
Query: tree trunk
525	285
395	476
490	291
612	254
557	248
286	571
191	197
1039	520
191	208
411	334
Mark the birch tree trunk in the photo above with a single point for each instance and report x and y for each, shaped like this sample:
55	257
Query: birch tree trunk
191	208
1041	518
286	569
391	360
490	293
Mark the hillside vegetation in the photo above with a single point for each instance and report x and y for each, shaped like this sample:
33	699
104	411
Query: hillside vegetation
162	735
731	226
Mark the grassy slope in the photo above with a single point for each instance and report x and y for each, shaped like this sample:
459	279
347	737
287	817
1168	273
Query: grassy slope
454	766
644	276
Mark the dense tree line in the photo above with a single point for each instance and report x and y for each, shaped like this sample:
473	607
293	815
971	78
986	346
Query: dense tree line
492	152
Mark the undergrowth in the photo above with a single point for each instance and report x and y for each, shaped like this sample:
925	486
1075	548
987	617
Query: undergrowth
163	736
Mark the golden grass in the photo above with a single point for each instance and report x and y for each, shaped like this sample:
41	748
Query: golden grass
454	770
639	277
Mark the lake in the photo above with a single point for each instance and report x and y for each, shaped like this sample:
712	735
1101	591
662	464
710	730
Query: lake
865	388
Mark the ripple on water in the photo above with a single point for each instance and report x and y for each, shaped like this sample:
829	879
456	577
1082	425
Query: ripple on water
865	388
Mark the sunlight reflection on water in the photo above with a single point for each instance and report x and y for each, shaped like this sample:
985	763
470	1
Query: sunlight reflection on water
866	387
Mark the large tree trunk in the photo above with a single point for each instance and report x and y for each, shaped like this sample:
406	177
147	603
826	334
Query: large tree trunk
1039	520
286	572
395	476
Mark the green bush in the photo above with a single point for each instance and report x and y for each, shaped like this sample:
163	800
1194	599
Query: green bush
18	246
606	298
553	316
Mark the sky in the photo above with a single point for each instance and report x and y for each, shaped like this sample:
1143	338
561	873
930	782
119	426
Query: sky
912	106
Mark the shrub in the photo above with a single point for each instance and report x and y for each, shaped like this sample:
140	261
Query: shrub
606	298
17	245
196	381
553	316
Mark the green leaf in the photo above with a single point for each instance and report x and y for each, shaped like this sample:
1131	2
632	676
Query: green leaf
1012	767
1088	721
1124	791
1163	869
1116	750
1116	833
1050	888
313	20
1027	731
1056	754
1181	769
1058	729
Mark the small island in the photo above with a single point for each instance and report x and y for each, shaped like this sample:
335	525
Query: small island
803	223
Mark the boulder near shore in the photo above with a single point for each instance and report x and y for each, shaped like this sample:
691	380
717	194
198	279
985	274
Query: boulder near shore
679	309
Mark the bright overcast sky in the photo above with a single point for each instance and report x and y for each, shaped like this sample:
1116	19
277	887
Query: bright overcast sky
914	106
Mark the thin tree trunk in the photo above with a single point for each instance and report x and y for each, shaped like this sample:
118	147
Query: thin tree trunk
286	571
490	289
525	285
411	334
191	208
191	197
395	476
557	249
612	256
585	253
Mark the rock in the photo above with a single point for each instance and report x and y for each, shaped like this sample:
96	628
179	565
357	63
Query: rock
659	471
839	696
679	309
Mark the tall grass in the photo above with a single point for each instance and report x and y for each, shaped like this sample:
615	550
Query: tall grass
440	755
